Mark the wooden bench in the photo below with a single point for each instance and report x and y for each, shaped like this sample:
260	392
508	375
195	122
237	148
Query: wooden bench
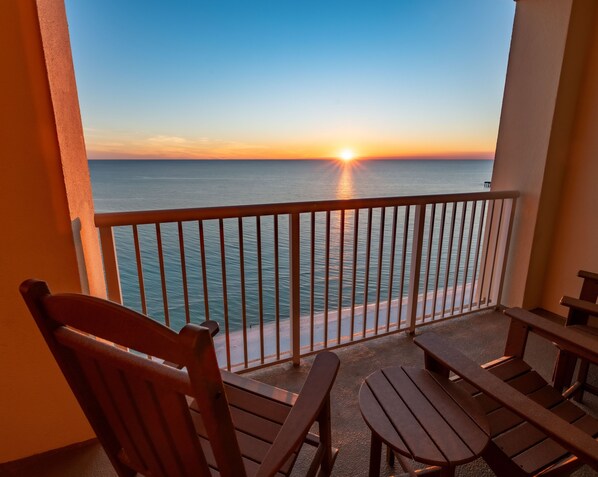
534	430
580	311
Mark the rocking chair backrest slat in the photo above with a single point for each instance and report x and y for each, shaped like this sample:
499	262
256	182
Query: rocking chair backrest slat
114	323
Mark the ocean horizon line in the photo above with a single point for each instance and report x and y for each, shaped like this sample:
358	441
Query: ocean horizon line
357	160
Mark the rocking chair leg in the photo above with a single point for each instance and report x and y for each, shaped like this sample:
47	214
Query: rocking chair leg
390	456
326	439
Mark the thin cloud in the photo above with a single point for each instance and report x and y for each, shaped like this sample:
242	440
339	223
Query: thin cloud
167	139
168	146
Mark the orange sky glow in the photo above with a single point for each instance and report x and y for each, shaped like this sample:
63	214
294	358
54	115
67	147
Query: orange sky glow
177	147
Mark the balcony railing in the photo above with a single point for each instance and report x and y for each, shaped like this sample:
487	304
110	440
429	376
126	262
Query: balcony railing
287	280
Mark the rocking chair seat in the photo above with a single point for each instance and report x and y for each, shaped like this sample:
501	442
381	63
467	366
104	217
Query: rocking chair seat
257	415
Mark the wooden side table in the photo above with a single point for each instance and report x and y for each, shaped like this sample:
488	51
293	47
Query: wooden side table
423	416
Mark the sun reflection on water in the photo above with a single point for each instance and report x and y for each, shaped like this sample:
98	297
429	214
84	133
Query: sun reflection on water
345	187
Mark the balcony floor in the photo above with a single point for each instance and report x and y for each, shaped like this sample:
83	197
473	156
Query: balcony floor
480	336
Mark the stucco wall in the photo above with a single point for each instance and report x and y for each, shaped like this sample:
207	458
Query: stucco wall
531	86
575	244
44	187
69	132
545	75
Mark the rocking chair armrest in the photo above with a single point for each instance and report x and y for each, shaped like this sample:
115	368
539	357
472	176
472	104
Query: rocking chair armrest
567	338
570	437
580	305
211	325
311	399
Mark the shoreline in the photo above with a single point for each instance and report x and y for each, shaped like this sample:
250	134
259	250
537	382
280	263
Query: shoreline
236	338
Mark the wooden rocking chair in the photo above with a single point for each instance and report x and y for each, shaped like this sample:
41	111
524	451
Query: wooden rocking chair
534	429
157	420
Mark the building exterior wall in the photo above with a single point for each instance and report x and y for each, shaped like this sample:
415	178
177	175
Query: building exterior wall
69	132
575	244
44	193
546	70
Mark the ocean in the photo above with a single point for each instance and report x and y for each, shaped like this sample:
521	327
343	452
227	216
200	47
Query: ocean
120	185
128	185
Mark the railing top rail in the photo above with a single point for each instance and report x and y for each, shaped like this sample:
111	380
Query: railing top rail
112	219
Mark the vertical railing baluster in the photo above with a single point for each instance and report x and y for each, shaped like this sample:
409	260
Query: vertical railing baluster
276	287
477	255
429	260
326	278
380	257
403	263
162	275
112	274
487	244
438	259
448	259
258	232
312	282
354	277
224	294
458	261
184	273
368	249
468	255
502	205
139	270
415	267
295	287
393	243
341	259
243	297
204	272
506	251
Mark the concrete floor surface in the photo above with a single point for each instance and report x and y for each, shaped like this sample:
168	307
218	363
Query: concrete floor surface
480	336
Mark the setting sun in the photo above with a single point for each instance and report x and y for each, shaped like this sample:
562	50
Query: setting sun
347	155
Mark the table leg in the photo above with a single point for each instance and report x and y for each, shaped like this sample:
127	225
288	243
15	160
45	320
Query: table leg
390	456
447	471
375	455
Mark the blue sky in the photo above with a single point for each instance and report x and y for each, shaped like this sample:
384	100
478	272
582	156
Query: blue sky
281	79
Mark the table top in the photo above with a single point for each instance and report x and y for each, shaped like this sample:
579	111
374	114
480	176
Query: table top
424	416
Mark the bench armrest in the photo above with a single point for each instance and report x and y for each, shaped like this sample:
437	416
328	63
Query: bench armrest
570	437
566	338
580	305
588	275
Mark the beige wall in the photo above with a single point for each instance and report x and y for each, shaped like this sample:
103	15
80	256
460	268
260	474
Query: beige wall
575	244
44	188
545	73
